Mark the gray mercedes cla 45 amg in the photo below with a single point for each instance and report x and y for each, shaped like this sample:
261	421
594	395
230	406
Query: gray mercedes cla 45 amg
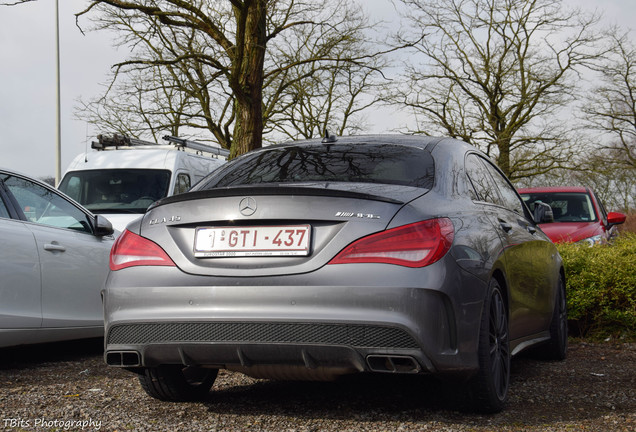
315	259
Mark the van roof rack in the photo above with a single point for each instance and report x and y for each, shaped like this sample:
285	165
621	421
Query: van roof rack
117	140
194	145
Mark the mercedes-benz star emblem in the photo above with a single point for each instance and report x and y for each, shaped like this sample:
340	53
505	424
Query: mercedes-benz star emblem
247	206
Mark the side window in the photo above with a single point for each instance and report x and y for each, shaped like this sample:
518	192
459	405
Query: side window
43	206
603	210
484	188
183	183
4	212
509	197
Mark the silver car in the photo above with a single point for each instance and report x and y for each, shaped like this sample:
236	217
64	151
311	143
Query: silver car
53	267
314	259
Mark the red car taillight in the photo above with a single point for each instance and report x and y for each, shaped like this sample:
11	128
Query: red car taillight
131	250
415	245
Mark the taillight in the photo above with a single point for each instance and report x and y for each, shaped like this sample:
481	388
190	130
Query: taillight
415	245
131	250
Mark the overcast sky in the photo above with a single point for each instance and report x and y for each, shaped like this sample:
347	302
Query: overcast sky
27	78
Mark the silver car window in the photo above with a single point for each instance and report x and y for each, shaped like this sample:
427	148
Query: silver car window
4	212
43	206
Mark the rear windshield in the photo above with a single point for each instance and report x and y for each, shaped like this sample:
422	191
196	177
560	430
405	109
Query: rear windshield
359	163
116	190
566	206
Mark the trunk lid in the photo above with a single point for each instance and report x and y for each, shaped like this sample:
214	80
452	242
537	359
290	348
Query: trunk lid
336	214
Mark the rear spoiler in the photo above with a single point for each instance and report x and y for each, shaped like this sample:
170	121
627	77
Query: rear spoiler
271	190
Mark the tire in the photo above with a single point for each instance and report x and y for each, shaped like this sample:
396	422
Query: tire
557	347
489	387
176	383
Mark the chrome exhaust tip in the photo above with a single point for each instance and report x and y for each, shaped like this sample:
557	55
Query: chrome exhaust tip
123	358
393	364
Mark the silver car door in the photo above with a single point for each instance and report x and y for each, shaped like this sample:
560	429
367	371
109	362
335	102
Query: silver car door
74	268
20	287
73	262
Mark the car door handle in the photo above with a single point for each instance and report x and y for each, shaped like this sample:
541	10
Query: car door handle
505	225
54	247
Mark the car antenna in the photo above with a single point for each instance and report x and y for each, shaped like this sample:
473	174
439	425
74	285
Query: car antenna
86	144
328	138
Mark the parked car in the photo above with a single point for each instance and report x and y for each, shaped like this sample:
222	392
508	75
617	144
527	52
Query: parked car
387	254
579	215
53	267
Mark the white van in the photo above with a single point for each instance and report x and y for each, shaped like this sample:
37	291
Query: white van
123	175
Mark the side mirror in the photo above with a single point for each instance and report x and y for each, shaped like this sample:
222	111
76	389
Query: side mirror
615	218
103	227
543	213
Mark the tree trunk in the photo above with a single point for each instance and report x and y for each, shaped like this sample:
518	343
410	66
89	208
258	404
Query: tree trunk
248	77
503	160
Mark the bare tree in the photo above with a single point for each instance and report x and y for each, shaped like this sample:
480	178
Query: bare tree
611	108
332	100
234	68
497	74
200	40
614	184
597	168
311	96
195	42
141	105
165	87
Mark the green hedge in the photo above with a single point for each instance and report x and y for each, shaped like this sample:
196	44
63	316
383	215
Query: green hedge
601	288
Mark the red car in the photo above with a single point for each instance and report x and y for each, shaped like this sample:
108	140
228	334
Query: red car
579	216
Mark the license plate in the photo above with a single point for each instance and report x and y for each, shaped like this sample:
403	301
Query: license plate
252	241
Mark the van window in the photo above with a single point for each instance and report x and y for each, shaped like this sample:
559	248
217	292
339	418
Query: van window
116	190
183	183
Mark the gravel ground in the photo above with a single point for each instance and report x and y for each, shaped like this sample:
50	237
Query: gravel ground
57	387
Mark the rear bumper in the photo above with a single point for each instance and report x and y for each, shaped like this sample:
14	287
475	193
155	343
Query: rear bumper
338	348
347	323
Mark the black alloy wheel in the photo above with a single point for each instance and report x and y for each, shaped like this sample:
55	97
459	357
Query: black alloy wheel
557	347
489	387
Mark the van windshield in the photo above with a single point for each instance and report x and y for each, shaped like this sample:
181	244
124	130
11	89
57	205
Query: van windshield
116	190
